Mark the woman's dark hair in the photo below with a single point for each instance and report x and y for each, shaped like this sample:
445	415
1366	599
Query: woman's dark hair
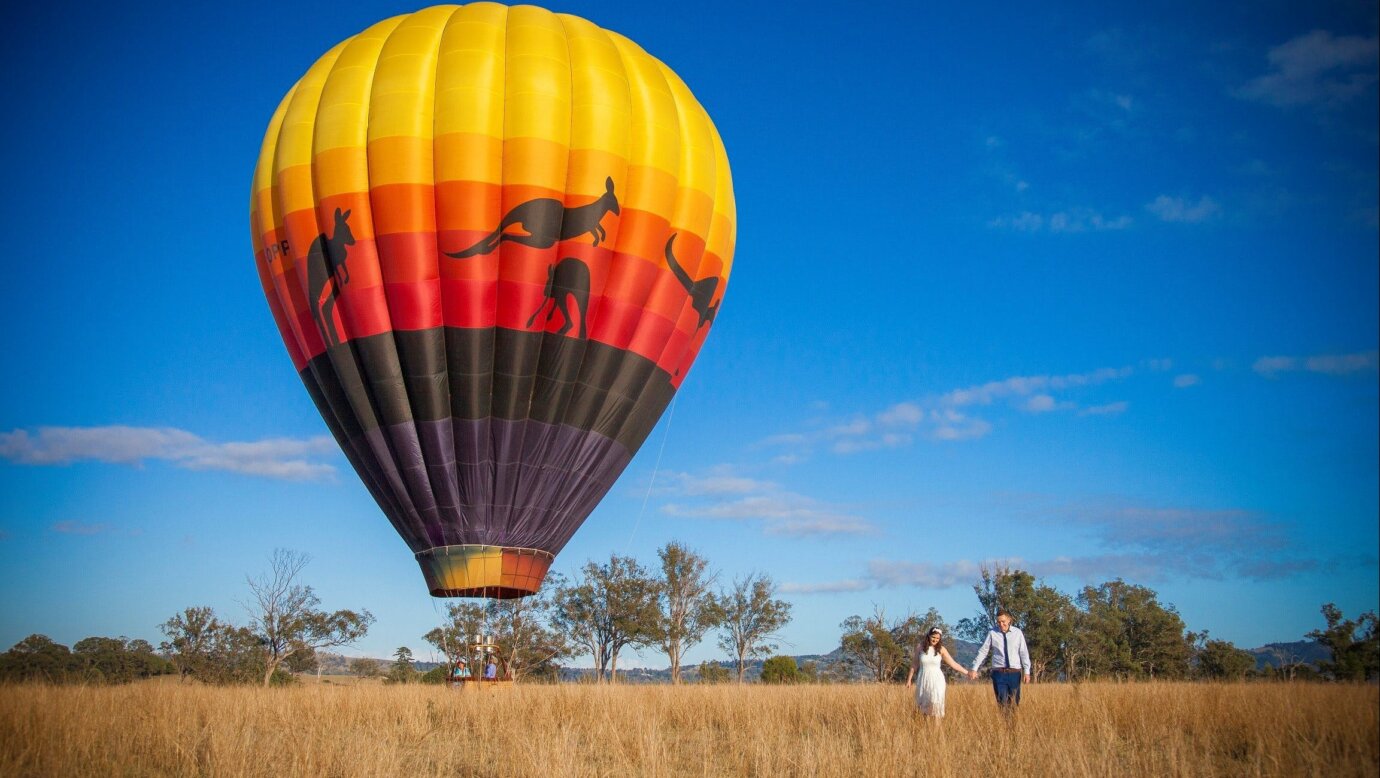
925	641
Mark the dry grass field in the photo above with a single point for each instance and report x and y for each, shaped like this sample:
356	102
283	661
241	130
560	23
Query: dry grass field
575	730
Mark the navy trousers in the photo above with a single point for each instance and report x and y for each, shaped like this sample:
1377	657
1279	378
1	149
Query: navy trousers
1007	687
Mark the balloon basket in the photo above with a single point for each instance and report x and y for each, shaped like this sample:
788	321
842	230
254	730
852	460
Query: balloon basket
496	572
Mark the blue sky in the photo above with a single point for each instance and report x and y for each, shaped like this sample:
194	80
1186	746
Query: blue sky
1090	289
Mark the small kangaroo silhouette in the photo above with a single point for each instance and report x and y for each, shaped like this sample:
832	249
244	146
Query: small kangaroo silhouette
701	291
326	264
567	278
547	220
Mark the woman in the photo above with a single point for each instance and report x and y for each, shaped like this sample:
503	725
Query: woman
930	655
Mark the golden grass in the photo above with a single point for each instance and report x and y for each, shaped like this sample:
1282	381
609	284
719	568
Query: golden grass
574	730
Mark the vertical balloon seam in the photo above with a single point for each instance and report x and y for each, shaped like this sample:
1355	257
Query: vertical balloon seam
647	67
347	353
341	410
573	470
677	353
376	354
685	115
428	472
475	490
461	517
563	465
509	256
528	473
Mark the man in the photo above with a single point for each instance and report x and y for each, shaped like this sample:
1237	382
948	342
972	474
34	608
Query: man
1010	661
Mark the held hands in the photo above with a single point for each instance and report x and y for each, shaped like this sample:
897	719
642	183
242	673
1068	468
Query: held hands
972	675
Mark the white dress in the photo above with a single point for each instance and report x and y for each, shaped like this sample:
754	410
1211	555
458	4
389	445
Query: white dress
929	687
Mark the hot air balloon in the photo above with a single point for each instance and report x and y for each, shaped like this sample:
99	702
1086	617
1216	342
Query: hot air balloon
493	240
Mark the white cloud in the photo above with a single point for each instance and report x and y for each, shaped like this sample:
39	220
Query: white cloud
781	513
717	481
1177	209
1110	409
286	458
1186	380
827	587
1040	403
1316	69
1327	364
1020	386
1073	220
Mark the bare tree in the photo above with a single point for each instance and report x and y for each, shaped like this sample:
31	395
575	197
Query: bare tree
608	608
521	627
688	608
881	646
752	616
285	618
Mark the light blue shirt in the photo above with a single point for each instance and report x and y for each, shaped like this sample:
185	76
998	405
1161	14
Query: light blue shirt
1008	651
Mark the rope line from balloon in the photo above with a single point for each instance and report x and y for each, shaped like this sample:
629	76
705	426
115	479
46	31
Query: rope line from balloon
670	415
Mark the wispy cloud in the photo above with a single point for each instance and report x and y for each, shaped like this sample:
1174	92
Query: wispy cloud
1178	209
1317	69
81	528
950	416
1327	364
286	458
1069	221
1109	409
827	587
781	513
1023	386
1139	543
1186	380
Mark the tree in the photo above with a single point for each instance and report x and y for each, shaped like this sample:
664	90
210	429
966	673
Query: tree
455	638
38	658
1219	659
285	616
1045	615
117	660
881	646
1134	635
608	608
687	607
365	668
402	670
523	632
1355	645
712	672
780	669
202	647
752	616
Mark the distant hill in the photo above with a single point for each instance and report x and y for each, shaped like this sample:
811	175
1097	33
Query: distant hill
1308	652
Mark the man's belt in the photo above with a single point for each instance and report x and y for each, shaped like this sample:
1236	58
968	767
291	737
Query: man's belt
1006	669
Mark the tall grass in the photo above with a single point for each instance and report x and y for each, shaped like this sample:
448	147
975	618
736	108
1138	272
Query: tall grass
575	730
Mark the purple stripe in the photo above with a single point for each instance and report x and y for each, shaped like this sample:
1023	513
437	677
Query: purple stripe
524	484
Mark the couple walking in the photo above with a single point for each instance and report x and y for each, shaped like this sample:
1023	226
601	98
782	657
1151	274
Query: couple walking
1010	663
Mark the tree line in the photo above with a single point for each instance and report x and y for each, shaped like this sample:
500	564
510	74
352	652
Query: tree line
1115	630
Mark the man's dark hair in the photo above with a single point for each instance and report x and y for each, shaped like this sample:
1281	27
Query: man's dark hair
1004	612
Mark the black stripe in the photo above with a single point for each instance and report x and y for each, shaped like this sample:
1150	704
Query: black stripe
587	385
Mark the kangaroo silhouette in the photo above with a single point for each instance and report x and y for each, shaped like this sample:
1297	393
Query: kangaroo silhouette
565	279
326	265
701	291
547	220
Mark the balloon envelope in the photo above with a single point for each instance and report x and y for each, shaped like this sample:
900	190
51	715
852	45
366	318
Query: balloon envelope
493	240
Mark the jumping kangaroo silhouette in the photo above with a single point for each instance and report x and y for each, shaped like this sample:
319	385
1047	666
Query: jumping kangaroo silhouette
701	291
567	278
547	220
326	264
